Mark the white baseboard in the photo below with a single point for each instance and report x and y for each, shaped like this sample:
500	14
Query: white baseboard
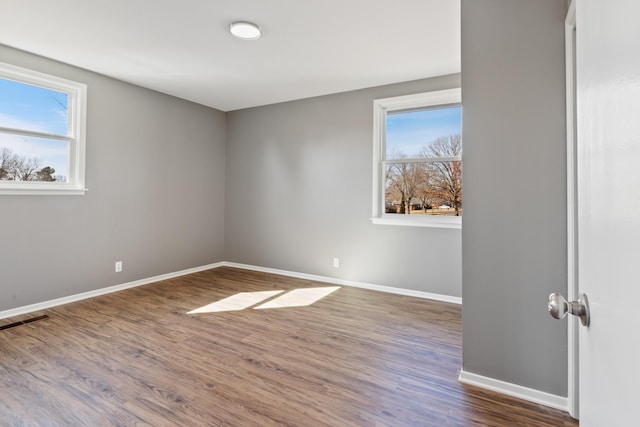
514	390
90	294
342	282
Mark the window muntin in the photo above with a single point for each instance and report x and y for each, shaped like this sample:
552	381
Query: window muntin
42	131
418	160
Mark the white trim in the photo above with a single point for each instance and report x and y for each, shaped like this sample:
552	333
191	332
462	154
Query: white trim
380	108
572	279
423	160
149	280
435	221
514	390
76	137
379	132
420	100
34	133
103	291
342	282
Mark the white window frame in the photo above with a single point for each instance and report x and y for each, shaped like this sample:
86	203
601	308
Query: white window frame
76	112
381	107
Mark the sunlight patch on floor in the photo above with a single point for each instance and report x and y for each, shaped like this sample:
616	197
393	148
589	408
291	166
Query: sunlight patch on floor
298	297
301	297
236	302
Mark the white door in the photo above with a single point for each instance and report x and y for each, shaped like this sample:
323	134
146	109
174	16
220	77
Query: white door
608	175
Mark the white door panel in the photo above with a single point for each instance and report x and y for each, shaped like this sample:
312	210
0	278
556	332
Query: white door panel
608	174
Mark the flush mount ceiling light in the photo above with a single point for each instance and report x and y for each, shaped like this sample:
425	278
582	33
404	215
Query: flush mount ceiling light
245	30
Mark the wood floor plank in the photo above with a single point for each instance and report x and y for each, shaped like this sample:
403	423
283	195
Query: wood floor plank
353	358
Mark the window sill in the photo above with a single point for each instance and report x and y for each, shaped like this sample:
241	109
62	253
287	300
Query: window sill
420	221
37	190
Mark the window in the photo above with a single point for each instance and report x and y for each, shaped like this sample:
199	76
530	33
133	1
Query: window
42	132
417	171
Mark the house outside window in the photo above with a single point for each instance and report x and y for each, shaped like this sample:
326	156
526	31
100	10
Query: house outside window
42	133
418	160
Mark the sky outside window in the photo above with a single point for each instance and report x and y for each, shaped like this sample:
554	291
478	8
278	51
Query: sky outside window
36	109
408	132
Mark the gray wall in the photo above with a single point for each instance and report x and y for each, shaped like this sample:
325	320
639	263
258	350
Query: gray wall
299	188
155	173
514	234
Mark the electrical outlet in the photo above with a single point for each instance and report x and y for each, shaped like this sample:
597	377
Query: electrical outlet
118	266
336	262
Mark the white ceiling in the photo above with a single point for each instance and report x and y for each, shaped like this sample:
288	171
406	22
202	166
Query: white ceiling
183	47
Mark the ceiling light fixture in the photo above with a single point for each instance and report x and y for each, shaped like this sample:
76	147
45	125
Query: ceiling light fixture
245	30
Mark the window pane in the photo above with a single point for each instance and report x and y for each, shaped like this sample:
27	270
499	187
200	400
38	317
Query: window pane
33	108
412	134
424	188
25	158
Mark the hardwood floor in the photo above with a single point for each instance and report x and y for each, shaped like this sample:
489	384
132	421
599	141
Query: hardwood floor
354	358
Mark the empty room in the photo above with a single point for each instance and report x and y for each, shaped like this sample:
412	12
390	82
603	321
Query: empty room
318	213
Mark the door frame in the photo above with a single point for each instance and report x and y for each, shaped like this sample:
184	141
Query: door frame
572	210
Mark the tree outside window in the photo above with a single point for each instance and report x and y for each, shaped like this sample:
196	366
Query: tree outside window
418	160
42	133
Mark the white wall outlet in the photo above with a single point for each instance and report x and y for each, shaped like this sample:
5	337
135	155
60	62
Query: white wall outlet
336	262
118	266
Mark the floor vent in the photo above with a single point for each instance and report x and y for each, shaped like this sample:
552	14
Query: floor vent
24	322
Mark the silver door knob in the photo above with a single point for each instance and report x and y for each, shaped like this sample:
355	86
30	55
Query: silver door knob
559	307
